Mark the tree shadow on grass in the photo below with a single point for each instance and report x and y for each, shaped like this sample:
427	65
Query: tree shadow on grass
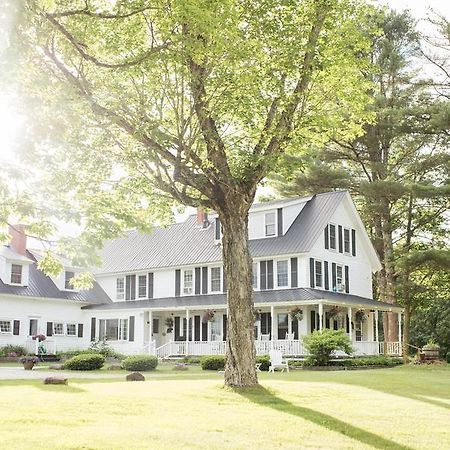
263	397
39	384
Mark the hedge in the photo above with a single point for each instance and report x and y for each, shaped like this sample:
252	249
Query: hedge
140	363
13	350
213	362
88	361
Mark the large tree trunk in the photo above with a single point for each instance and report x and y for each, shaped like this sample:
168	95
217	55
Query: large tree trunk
240	369
406	328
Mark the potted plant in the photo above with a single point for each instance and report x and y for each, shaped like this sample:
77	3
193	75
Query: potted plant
169	324
39	337
335	312
208	316
296	313
360	316
256	315
431	350
29	362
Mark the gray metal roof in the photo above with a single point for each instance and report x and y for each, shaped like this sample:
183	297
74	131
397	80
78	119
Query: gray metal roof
40	285
298	295
186	243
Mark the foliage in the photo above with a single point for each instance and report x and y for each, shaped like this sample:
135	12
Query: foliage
264	360
104	349
10	350
140	363
216	362
29	359
208	316
321	345
296	313
360	316
86	361
360	361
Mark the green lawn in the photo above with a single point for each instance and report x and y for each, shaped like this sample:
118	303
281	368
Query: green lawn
400	408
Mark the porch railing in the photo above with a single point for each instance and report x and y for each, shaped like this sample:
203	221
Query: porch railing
365	348
48	347
390	348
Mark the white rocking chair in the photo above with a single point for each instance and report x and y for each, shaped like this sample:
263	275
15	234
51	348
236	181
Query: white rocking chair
277	362
264	337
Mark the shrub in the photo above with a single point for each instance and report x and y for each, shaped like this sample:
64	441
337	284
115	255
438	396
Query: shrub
264	361
213	362
321	345
104	349
140	363
87	361
13	350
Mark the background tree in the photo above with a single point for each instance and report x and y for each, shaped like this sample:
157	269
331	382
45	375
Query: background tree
190	101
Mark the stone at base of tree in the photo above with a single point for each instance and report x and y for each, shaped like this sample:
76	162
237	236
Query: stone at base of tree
115	367
55	380
135	376
56	367
180	367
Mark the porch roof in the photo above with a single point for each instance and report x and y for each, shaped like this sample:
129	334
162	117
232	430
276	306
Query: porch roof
261	298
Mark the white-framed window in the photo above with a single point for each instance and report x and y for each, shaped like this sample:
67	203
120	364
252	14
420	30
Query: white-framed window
120	288
123	329
5	326
142	286
270	223
282	273
216	279
16	274
347	244
67	277
332	236
255	275
58	328
340	278
113	329
188	281
33	327
318	273
71	329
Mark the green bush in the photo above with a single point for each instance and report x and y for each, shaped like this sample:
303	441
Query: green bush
321	344
264	361
17	350
104	349
140	363
213	362
192	359
88	361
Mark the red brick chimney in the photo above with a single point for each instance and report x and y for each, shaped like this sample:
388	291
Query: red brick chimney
19	238
202	218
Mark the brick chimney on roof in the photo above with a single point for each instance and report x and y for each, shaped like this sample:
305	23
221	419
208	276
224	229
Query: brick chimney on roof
202	218
19	238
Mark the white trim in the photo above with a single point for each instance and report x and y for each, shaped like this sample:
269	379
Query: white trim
275	223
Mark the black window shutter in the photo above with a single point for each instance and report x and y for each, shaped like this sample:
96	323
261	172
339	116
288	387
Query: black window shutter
326	237
333	277
197	280
347	325
294	272
204	331
150	285
16	327
93	322
177	282
280	221
197	328
340	238
327	281
224	326
49	328
177	328
313	321
270	274
327	321
263	275
204	280
80	330
217	228
128	287
353	242
294	326
347	286
133	287
311	273
131	329
224	281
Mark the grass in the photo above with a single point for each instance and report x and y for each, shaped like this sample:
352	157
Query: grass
399	408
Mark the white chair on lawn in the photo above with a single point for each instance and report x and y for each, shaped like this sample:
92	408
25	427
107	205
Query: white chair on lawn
277	362
290	336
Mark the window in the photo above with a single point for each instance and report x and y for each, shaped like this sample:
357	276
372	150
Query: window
16	274
318	273
270	224
5	326
346	240
282	273
332	230
120	288
142	286
187	281
58	328
255	275
71	329
68	276
113	329
123	329
215	279
339	278
33	330
216	329
282	326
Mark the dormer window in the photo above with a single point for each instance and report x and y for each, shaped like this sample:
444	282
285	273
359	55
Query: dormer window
270	223
16	274
67	277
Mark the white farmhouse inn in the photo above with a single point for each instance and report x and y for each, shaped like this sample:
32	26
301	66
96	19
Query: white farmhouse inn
164	293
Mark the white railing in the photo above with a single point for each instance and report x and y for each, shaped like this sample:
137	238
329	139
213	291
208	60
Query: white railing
49	346
365	348
390	348
287	347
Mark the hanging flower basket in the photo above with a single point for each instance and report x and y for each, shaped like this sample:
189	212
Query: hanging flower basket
256	315
169	324
296	313
335	312
208	316
360	316
39	337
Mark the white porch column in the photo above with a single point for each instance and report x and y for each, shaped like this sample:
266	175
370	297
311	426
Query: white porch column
376	326
150	331
272	320
187	332
320	316
350	331
400	328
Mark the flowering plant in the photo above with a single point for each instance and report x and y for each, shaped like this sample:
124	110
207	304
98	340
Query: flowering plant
256	314
169	322
39	337
360	316
296	313
335	312
33	359
208	316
